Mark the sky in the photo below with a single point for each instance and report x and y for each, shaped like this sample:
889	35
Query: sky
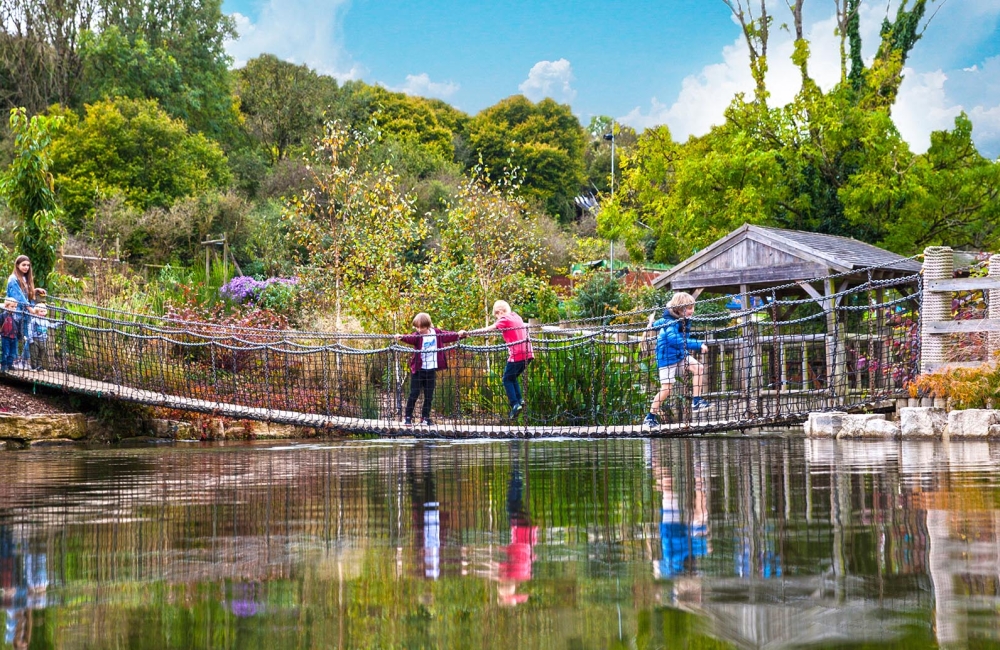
674	62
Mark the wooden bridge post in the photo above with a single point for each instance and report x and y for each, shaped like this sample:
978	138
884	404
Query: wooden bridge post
993	345
939	264
750	355
836	346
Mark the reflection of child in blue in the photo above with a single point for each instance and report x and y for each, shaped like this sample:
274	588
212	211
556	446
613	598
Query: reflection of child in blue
681	542
764	564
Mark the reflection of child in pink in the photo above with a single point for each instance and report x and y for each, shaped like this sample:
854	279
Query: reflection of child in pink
521	550
517	568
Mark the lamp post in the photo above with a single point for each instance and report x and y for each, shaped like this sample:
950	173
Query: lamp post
611	136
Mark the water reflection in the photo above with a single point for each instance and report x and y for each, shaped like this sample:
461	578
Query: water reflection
616	543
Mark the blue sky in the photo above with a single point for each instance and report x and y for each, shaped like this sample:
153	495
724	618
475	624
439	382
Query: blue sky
677	62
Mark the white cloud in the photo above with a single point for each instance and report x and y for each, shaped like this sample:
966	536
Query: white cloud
422	86
926	101
549	79
922	106
986	130
299	31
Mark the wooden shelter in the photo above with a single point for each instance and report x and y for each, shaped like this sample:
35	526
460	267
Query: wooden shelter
756	257
773	262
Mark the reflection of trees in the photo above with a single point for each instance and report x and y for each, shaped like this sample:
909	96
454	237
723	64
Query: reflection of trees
179	548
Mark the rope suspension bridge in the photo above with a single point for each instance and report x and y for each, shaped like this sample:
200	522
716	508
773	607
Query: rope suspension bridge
770	361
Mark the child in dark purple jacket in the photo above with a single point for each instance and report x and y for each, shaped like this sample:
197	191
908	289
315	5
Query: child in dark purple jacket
425	362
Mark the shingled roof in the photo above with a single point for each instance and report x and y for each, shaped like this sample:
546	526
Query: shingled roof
757	256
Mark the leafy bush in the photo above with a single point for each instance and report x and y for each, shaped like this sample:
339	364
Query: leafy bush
600	296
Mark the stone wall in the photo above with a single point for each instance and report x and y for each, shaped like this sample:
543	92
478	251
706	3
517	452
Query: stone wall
914	422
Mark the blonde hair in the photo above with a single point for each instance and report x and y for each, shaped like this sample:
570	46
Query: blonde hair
501	305
678	301
422	321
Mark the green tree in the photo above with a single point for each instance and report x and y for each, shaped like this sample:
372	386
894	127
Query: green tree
600	296
399	117
131	148
949	196
489	250
27	187
830	162
115	67
543	142
193	34
73	52
354	228
39	61
281	103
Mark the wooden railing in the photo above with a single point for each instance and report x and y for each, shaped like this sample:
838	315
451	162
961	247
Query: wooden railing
936	312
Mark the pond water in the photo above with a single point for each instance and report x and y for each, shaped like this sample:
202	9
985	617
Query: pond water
695	543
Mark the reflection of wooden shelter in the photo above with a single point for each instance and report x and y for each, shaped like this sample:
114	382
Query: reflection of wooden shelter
788	264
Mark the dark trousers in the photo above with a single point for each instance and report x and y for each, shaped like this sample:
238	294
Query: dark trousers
422	381
39	354
511	385
9	352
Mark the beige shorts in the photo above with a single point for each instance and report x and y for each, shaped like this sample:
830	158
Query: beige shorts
669	373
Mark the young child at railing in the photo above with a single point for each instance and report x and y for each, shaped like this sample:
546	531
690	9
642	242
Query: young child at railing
673	347
425	362
38	336
10	332
519	352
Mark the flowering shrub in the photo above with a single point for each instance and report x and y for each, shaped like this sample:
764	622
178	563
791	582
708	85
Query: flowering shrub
245	288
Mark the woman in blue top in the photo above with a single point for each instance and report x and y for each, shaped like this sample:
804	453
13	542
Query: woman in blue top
21	287
673	353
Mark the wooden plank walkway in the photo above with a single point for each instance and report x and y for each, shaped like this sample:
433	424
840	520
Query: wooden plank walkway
392	428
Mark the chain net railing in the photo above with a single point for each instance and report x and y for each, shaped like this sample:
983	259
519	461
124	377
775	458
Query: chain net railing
774	361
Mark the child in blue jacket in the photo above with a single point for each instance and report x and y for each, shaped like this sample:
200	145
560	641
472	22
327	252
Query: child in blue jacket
38	336
673	354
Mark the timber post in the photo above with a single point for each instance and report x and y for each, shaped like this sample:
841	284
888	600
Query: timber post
939	265
993	345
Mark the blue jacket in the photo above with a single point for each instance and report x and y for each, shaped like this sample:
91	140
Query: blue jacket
672	341
38	328
14	291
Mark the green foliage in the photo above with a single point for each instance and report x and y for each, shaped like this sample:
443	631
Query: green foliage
282	103
27	188
192	33
115	67
489	251
268	251
949	197
547	304
431	124
829	162
543	142
592	383
354	228
600	295
281	298
133	149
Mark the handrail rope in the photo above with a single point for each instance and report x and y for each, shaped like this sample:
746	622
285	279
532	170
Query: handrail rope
756	292
606	329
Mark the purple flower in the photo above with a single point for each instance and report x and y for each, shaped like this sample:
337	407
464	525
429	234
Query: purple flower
247	289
